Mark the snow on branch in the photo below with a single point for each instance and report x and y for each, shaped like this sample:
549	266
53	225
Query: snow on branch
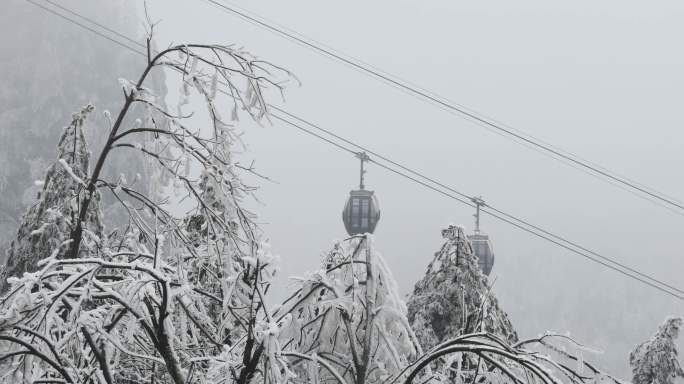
161	298
70	172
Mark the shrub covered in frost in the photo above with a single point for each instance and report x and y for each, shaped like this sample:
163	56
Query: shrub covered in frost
656	360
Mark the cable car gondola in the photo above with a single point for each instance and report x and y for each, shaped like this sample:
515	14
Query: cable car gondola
362	211
480	243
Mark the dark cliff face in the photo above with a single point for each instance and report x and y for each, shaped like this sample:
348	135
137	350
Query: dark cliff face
454	297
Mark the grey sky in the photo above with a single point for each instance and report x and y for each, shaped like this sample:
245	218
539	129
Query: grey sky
601	79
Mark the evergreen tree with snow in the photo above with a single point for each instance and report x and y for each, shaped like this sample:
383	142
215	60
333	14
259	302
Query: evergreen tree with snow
656	360
47	225
346	321
454	297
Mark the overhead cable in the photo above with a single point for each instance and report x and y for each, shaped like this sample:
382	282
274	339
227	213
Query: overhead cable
433	98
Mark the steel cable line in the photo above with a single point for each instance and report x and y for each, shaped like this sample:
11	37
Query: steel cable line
471	198
504	217
92	30
494	211
435	99
112	31
462	198
625	188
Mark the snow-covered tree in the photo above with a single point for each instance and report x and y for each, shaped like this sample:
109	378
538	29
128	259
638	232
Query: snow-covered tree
468	338
46	226
346	323
656	360
454	297
162	298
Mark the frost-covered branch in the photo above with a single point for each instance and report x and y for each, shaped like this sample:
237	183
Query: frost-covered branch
160	297
501	362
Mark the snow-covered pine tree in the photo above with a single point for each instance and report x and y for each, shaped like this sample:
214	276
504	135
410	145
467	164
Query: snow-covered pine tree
46	226
656	360
468	338
345	324
454	297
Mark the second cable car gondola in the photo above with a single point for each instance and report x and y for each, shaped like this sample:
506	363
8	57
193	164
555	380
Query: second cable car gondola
480	243
362	211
